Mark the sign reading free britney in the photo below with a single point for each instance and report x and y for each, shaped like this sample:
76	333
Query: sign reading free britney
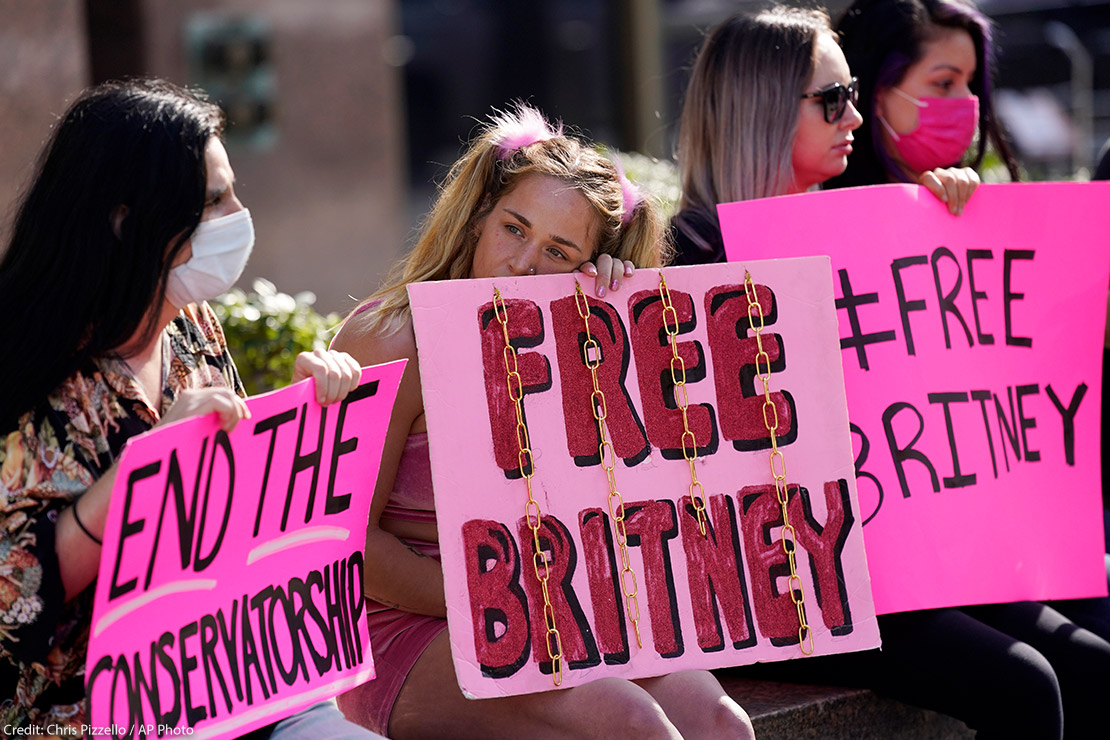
972	350
230	587
704	601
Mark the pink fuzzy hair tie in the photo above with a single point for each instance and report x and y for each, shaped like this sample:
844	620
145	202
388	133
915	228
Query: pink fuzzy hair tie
631	194
526	127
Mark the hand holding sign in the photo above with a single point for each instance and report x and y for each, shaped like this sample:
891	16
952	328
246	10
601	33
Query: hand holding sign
223	402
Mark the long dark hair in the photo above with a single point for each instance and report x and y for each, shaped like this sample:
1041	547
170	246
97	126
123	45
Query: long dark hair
118	190
881	39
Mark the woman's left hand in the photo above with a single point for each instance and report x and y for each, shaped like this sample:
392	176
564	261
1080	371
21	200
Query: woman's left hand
608	273
952	185
336	373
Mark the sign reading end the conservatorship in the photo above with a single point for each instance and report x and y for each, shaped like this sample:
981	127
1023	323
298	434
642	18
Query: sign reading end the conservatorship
562	537
230	587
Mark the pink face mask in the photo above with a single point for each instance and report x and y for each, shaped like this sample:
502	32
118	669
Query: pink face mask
945	127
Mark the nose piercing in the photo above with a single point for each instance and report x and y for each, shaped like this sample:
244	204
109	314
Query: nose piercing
531	270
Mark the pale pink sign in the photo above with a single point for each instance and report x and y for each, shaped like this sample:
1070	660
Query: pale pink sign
230	587
972	351
700	601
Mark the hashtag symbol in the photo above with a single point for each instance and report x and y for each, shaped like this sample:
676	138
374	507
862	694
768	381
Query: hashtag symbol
858	339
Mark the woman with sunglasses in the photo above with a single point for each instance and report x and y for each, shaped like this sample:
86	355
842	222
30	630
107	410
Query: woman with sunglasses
733	112
772	94
771	110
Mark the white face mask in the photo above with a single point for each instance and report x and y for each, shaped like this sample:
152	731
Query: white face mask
221	247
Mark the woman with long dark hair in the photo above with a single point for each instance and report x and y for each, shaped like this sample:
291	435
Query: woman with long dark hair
924	69
130	224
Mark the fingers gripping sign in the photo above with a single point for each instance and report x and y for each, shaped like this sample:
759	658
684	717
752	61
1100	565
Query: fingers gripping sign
336	373
608	273
200	401
952	186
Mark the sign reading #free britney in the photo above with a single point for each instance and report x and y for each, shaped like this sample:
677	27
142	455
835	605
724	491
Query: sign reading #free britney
700	601
972	350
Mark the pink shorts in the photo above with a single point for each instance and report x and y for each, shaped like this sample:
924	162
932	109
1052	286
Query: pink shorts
397	639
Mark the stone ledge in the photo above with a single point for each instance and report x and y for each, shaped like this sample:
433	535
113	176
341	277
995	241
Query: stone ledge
790	711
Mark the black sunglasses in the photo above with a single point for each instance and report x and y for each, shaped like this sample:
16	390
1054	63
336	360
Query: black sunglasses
836	97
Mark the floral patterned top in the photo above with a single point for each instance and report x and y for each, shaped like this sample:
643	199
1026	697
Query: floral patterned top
62	447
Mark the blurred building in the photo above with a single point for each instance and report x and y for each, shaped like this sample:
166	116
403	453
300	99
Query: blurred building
1054	81
345	113
615	69
315	123
618	70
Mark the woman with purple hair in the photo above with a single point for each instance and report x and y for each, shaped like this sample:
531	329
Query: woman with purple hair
1021	669
924	71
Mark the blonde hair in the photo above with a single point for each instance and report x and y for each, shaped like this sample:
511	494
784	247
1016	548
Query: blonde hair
741	110
489	169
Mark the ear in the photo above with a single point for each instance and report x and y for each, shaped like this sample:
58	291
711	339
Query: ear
118	214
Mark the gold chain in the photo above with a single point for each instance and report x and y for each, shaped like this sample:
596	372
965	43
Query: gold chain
778	465
682	399
527	469
608	462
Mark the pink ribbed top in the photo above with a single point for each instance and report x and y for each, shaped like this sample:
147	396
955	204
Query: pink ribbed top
411	499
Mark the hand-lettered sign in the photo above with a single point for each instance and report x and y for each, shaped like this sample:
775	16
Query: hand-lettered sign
613	570
230	586
972	350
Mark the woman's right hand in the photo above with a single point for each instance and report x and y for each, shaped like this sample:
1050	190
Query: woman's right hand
200	401
952	185
607	272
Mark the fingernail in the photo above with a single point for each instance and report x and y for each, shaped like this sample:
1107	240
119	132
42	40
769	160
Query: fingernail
614	285
601	291
627	271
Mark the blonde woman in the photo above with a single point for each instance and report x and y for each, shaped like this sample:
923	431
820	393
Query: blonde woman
525	199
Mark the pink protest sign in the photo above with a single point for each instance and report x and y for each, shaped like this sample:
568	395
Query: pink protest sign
972	351
230	587
696	600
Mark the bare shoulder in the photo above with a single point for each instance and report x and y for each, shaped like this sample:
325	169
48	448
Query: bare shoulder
373	346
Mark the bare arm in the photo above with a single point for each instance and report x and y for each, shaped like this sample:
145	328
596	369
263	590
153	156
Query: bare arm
395	574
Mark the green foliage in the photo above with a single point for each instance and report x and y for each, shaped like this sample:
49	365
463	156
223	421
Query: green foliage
266	330
657	177
993	169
